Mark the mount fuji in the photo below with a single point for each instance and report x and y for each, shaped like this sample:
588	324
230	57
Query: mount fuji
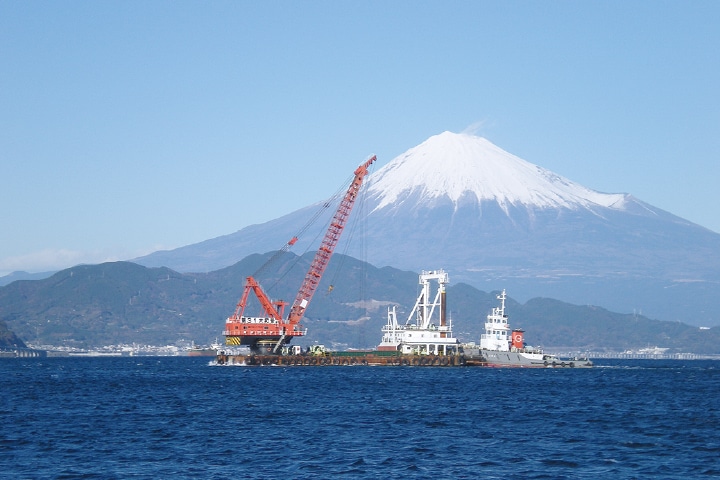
495	221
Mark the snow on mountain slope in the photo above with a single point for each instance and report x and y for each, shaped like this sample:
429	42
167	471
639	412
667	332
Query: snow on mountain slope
455	164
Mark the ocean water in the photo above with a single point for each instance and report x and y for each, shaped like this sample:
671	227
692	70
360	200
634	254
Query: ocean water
175	417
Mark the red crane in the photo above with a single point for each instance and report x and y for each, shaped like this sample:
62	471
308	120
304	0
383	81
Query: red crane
268	332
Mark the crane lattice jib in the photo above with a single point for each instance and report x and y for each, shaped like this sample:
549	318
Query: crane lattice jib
322	257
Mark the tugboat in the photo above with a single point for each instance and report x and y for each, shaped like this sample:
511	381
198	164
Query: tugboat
501	346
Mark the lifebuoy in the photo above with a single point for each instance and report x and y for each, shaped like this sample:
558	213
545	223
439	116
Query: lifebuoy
405	362
572	364
545	363
562	364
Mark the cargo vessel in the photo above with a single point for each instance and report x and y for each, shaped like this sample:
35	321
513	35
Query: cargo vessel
203	351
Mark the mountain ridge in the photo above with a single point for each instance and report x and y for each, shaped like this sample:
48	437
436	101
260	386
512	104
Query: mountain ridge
124	303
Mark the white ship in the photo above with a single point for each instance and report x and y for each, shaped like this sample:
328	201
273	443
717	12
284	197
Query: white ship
427	330
501	346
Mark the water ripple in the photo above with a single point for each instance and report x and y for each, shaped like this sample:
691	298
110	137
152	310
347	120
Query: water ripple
179	418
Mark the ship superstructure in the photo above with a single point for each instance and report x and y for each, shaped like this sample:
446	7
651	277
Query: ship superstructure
497	329
428	330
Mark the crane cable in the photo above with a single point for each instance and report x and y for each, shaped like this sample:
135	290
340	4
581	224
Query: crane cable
328	203
305	227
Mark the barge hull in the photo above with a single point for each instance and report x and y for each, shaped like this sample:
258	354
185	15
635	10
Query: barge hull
372	360
343	360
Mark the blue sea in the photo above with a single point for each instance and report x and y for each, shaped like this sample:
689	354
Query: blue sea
179	417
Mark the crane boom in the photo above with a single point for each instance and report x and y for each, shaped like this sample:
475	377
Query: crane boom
327	247
269	331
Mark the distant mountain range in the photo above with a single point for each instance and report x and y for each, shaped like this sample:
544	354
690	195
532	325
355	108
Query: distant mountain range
6	279
125	303
495	221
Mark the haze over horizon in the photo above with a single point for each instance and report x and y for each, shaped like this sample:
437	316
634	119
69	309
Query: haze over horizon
133	127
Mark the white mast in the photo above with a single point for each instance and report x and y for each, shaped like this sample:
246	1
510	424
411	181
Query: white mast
424	307
427	330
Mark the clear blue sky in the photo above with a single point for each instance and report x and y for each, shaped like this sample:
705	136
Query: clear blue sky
131	126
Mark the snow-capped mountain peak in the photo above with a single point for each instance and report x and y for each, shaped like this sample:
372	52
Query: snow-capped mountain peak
455	164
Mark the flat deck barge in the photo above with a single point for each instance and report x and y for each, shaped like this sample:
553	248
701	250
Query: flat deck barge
373	359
